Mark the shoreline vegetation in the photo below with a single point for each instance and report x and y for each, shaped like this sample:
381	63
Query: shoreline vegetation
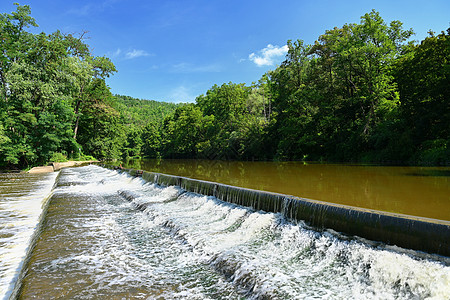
363	92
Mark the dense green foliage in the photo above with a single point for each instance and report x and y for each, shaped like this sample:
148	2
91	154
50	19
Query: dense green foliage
54	102
50	84
359	93
142	118
141	112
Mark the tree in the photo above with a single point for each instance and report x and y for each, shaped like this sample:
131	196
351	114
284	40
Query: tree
151	139
141	112
101	131
85	69
227	103
363	57
423	76
37	106
14	40
292	104
188	132
133	144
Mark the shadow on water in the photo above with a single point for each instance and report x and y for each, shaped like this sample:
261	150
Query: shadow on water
430	173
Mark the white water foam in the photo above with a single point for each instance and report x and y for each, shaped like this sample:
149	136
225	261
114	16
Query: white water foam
120	250
188	246
20	209
265	256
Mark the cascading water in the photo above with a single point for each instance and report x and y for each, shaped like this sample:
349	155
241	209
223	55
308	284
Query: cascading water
22	197
108	235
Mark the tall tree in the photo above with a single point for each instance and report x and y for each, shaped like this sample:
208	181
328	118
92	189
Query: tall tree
151	139
43	83
15	41
292	104
86	69
363	58
188	132
227	103
423	77
101	131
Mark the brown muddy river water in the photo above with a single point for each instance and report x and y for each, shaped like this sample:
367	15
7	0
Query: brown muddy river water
418	191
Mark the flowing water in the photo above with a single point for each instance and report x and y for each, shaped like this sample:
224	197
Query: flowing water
107	235
22	197
417	191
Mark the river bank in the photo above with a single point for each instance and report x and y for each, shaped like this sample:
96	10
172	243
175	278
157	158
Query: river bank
56	166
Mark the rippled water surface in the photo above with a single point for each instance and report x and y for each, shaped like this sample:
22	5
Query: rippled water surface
418	191
22	197
110	236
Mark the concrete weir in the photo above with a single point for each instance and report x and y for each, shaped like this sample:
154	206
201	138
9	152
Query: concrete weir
418	233
56	166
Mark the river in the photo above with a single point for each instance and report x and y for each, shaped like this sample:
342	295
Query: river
418	191
22	197
165	243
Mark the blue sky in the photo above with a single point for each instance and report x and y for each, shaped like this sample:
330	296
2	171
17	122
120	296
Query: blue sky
175	50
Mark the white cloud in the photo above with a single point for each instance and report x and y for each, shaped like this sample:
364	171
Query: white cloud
268	55
82	10
136	53
115	53
190	68
92	8
182	94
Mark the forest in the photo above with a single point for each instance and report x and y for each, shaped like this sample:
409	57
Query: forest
361	93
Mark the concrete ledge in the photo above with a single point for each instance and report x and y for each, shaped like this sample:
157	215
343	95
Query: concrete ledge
418	233
56	166
46	169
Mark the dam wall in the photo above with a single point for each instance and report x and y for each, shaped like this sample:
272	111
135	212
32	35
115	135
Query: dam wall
418	233
57	166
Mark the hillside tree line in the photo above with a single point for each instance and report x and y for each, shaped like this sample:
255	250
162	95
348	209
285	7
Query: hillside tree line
361	92
54	102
